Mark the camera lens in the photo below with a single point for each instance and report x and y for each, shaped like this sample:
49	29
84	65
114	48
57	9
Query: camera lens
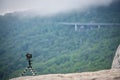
29	55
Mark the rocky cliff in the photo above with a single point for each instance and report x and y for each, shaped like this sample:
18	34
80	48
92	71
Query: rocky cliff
116	60
111	74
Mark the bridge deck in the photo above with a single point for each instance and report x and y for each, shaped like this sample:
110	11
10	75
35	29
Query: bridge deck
82	25
66	23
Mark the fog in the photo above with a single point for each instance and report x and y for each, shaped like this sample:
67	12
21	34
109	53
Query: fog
47	7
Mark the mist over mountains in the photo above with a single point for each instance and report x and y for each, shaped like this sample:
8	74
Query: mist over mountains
94	14
58	48
47	7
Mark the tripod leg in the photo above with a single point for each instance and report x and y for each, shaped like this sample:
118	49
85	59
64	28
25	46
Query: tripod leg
24	71
33	72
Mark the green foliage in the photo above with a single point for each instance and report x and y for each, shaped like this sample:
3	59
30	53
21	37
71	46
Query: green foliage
57	48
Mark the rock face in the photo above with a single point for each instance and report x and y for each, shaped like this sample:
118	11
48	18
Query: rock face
113	74
116	61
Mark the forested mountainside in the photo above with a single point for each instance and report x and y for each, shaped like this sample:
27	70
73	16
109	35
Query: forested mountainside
58	48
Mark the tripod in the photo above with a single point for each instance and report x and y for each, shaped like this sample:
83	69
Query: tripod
29	68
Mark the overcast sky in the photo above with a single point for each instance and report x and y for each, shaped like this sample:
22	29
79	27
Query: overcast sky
45	7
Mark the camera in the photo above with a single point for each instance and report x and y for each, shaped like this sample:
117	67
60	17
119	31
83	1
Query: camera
28	56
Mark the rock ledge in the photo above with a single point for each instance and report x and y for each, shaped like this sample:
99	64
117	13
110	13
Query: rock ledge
112	74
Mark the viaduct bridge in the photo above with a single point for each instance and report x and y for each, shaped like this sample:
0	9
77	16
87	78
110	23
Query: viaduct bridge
90	25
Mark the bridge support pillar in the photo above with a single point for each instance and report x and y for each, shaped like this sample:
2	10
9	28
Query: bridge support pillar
76	27
99	26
